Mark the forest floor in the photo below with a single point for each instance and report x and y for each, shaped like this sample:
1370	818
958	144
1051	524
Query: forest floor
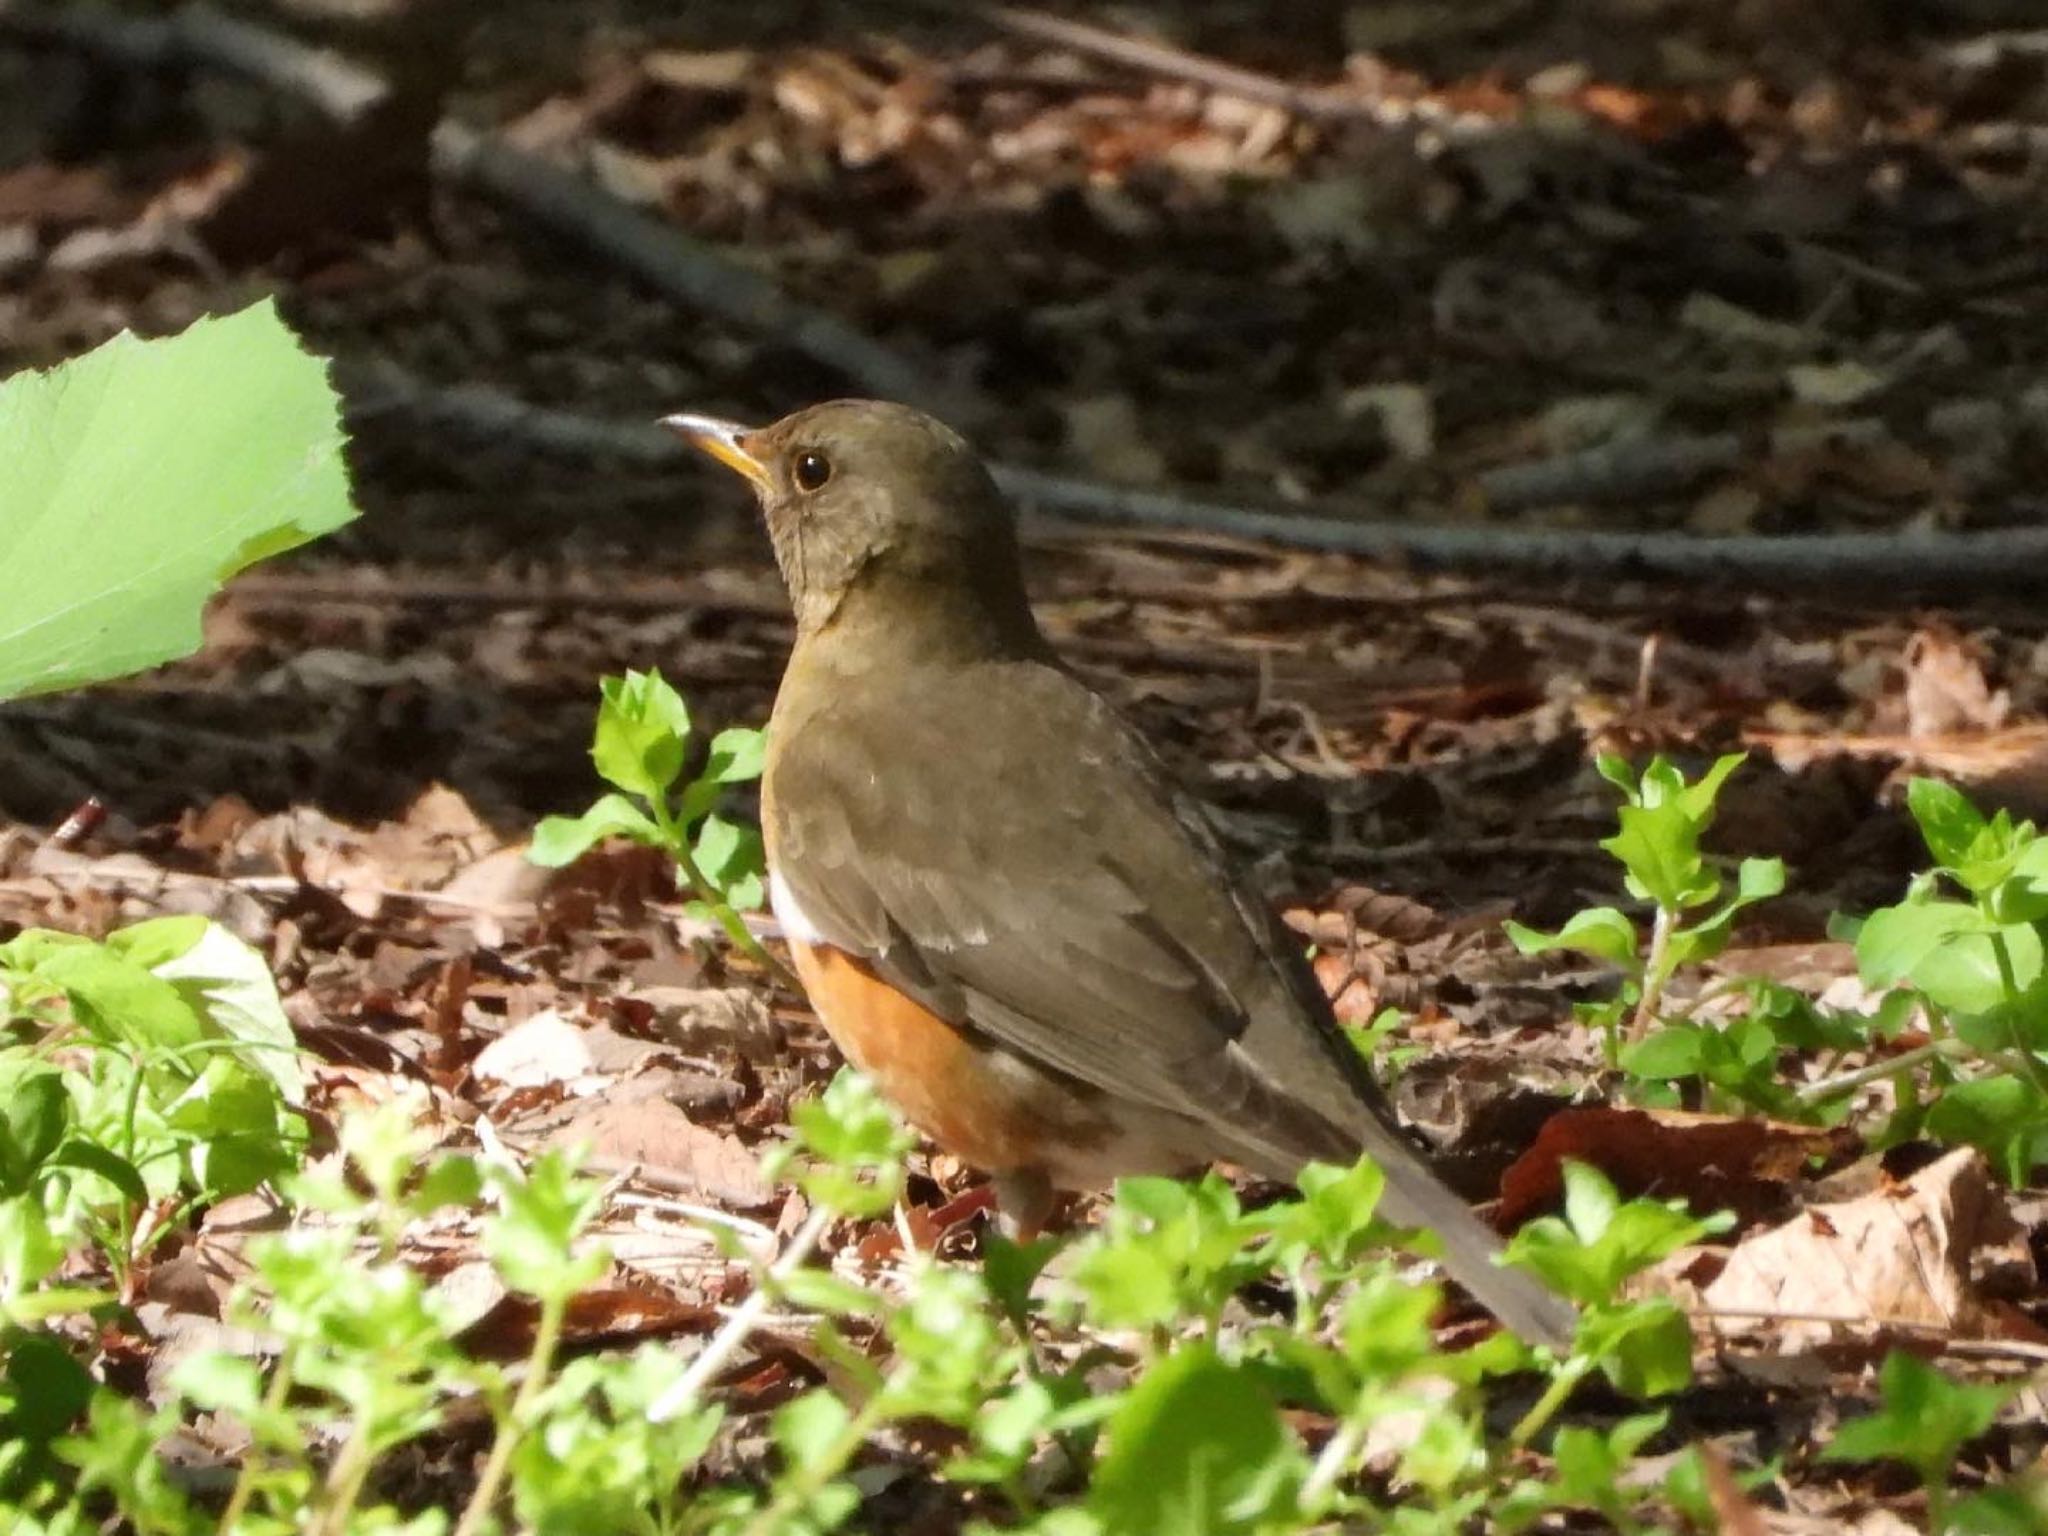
1591	266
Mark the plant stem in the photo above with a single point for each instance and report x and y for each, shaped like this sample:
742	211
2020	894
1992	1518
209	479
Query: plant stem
345	1481
1653	973
1330	1463
676	837
1890	1066
539	1365
689	1387
245	1480
2029	1067
1561	1387
801	1485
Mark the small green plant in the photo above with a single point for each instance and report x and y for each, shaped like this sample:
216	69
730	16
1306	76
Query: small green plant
1644	1347
365	1367
641	746
1963	952
1692	914
1967	944
140	1079
1925	1421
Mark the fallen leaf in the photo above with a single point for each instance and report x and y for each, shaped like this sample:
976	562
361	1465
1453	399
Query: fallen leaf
1946	689
1900	1256
1714	1162
545	1049
656	1135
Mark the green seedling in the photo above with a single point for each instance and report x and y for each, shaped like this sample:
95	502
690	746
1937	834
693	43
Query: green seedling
1967	943
1662	818
641	745
1925	1421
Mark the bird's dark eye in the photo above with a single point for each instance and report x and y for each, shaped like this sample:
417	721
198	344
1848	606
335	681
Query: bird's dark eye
811	471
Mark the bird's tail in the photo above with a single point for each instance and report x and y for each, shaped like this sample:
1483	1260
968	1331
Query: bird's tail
1416	1197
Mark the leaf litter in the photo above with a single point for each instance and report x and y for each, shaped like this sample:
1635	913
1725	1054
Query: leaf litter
1750	274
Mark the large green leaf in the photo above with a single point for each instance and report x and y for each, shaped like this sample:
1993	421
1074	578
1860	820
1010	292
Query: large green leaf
136	479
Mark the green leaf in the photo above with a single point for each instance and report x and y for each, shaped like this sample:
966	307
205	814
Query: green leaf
857	1142
643	730
560	840
125	1002
1894	940
1589	1200
1759	879
138	478
49	1387
1644	1347
727	852
2023	897
1602	1241
91	1157
531	1241
1659	846
1925	1421
1601	932
737	754
808	1428
29	1250
1948	822
230	986
158	941
33	1118
1010	1269
2007	1117
1965	975
1618	772
1675	1051
1698	798
1198	1449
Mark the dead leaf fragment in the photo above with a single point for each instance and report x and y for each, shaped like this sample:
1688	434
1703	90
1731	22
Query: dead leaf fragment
1900	1256
655	1134
1714	1162
1946	689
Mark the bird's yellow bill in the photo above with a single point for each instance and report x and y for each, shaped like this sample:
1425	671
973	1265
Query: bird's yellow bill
725	441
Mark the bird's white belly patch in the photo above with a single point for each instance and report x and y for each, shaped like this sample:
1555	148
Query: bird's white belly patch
795	925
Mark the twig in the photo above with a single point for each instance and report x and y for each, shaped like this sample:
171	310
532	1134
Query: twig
1909	560
1912	560
377	388
686	270
196	35
1612	472
697	275
1151	57
688	1389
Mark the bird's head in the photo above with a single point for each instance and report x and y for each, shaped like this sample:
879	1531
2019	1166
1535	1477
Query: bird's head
863	495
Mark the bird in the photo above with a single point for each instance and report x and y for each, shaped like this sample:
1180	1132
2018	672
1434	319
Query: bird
1004	908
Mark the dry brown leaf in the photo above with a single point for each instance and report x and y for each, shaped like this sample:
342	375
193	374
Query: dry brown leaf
1714	1161
655	1134
612	1312
1900	1256
546	1048
1946	690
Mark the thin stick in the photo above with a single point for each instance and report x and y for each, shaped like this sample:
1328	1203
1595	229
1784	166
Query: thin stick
1916	561
688	1389
1151	57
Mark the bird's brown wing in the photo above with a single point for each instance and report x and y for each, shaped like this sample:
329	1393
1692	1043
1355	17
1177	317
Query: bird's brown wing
1075	909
